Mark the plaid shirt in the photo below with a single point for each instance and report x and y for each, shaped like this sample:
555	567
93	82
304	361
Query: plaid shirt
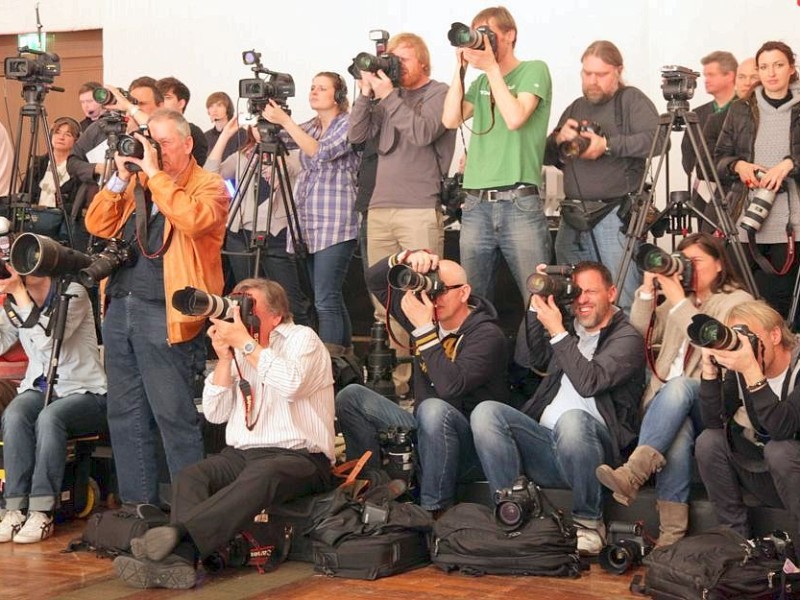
325	192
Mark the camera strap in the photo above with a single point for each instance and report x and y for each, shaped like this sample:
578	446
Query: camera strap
143	201
763	261
36	311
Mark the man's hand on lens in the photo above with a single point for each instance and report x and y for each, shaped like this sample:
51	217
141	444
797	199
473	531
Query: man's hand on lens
418	308
484	59
422	261
231	334
568	131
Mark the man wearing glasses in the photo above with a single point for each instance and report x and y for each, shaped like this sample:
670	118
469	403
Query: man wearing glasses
459	361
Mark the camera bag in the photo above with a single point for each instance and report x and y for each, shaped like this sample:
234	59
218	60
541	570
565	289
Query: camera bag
109	533
583	215
469	539
717	564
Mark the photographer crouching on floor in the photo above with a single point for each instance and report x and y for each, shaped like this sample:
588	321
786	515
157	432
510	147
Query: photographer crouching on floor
172	214
460	360
273	385
752	417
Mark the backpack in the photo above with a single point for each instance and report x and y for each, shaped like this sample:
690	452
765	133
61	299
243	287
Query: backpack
469	539
718	564
109	533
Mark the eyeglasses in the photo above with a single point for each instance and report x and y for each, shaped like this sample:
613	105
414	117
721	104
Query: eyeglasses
447	288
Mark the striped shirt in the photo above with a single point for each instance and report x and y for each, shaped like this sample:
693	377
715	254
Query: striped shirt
325	192
292	395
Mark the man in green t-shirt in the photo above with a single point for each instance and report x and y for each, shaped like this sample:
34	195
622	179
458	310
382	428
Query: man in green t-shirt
510	107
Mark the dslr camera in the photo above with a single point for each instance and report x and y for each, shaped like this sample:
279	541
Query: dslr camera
708	332
463	36
573	148
406	279
398	454
197	303
451	194
129	146
33	66
653	259
626	547
380	61
259	91
104	97
759	207
515	505
556	281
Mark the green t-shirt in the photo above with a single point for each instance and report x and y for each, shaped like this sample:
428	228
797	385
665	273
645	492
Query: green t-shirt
503	157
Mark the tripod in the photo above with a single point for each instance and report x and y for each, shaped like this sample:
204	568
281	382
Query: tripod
677	116
59	323
270	150
19	203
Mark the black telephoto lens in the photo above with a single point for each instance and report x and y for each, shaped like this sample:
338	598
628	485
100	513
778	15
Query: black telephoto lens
41	256
618	558
707	332
130	146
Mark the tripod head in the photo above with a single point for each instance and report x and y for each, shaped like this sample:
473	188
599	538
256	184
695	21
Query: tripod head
678	85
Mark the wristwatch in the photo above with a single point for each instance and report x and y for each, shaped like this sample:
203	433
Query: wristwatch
249	347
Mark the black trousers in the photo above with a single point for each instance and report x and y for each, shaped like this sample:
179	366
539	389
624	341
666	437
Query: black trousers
777	486
776	290
219	496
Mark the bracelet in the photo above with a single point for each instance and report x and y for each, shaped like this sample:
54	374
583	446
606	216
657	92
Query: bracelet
757	385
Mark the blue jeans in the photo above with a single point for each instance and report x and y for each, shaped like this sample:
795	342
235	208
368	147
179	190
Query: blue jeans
671	424
510	443
150	390
573	246
35	444
517	228
328	270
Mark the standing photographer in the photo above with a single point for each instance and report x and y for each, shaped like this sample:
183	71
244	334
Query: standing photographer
173	216
35	436
759	149
671	402
752	418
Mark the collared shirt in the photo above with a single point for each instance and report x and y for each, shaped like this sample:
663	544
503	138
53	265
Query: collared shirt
292	395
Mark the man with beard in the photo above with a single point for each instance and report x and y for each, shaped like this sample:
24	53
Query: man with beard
585	410
601	143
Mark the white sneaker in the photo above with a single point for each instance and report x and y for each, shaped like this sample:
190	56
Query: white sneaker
10	525
38	527
591	537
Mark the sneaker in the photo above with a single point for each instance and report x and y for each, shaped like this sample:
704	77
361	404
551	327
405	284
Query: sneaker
38	527
591	537
172	573
10	525
156	544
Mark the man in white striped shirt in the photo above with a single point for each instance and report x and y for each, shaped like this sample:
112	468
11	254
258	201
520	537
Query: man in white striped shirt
280	444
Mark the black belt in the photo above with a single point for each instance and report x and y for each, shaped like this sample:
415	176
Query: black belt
503	195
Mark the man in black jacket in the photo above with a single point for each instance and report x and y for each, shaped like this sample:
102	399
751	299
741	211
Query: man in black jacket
752	419
459	361
584	412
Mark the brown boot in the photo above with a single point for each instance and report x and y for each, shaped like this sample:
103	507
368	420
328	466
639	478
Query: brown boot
627	479
673	521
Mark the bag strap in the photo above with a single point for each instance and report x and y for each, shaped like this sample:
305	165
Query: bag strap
350	469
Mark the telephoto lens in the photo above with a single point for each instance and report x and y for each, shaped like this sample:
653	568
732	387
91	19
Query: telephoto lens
708	332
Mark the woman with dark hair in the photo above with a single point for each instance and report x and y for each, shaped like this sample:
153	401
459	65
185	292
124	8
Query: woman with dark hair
325	196
672	418
759	150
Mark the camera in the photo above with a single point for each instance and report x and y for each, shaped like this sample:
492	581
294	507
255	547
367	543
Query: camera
244	549
626	547
104	96
380	61
274	86
107	257
406	279
708	332
463	36
758	208
38	67
398	453
556	281
678	83
451	193
197	303
776	545
515	505
129	146
573	148
653	259
380	362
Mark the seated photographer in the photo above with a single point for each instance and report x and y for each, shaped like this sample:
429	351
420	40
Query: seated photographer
585	410
35	436
280	446
671	402
460	360
170	215
752	418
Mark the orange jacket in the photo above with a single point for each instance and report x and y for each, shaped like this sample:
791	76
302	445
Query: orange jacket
195	207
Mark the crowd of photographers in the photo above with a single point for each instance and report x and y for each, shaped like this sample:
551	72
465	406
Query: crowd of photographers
722	365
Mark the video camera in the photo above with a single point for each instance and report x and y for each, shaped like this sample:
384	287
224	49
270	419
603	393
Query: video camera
463	36
678	83
653	259
380	61
556	281
406	279
33	66
515	505
197	303
708	332
626	547
274	86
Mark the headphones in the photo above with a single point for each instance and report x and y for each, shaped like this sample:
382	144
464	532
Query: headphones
66	121
340	92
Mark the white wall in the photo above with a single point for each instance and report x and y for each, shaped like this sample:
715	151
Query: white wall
200	42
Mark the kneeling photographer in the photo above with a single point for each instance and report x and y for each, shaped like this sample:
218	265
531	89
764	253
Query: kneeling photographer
173	215
459	361
751	412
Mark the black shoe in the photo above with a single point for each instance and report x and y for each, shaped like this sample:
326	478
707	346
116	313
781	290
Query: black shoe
157	544
172	573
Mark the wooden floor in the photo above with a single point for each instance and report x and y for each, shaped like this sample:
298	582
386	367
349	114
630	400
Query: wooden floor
42	571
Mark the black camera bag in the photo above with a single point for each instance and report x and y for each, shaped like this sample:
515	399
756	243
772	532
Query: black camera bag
109	533
714	565
583	215
468	538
